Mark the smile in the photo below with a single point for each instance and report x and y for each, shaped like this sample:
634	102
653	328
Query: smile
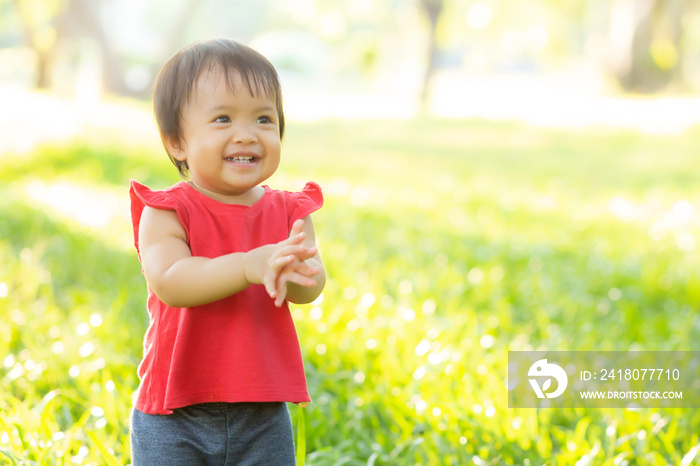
241	159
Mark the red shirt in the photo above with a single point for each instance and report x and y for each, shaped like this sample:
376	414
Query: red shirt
241	348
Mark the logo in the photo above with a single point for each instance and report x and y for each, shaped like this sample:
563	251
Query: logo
542	368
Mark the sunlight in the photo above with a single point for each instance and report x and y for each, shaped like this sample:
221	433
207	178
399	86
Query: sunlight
333	24
623	209
571	98
103	211
30	118
479	15
20	127
536	38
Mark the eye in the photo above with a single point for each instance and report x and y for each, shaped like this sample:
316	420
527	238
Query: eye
222	119
264	119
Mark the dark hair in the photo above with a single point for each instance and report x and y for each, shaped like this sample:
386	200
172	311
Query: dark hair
177	79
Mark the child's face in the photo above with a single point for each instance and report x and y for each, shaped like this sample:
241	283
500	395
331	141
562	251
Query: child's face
231	140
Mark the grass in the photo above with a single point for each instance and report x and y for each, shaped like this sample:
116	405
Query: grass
447	243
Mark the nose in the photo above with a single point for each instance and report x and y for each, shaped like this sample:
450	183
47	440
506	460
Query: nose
243	134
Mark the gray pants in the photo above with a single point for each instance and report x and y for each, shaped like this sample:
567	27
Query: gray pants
214	434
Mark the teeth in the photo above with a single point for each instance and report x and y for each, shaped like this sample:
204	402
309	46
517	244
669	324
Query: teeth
240	159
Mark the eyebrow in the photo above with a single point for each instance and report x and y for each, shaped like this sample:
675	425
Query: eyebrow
266	108
262	108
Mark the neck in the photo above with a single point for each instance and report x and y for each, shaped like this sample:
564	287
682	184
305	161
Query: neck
247	198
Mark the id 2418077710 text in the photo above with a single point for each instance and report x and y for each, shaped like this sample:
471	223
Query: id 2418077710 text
632	374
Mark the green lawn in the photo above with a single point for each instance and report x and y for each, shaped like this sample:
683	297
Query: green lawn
447	243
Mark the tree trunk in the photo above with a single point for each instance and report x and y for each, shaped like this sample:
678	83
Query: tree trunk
172	41
432	10
646	41
43	49
87	12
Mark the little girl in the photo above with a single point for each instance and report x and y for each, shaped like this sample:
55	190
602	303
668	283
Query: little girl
222	255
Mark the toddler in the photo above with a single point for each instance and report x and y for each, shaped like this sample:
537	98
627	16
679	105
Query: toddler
222	254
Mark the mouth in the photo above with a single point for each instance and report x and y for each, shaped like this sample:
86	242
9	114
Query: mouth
242	159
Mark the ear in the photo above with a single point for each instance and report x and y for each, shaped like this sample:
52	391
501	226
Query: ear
175	148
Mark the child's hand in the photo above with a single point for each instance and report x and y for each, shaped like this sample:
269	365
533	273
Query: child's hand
296	271
276	265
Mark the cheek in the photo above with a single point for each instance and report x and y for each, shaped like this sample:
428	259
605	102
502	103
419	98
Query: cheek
273	156
273	146
207	144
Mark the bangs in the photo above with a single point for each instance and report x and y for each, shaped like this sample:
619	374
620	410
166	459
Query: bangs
256	80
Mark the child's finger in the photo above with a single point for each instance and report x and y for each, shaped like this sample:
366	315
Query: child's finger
298	279
282	286
297	227
300	276
302	268
308	270
281	262
281	296
276	265
307	253
298	251
296	238
270	288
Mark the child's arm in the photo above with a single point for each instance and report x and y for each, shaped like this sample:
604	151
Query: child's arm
182	280
295	281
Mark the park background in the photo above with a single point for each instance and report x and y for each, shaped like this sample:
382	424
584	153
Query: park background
499	175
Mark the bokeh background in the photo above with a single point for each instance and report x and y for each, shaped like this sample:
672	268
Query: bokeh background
499	175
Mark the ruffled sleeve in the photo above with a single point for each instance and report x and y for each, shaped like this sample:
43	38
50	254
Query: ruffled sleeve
142	196
305	202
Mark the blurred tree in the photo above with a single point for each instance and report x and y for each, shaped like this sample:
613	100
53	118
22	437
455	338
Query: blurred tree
171	40
83	17
38	18
433	10
646	43
56	29
48	23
